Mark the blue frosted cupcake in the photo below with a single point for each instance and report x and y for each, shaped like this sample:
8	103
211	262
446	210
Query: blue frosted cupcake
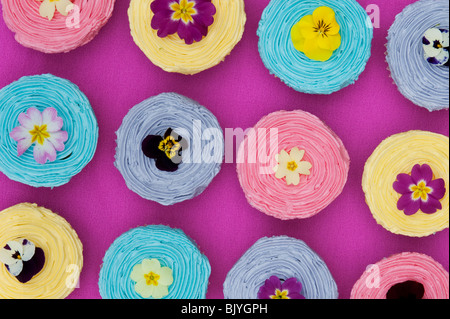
48	131
316	47
418	55
280	268
169	148
154	262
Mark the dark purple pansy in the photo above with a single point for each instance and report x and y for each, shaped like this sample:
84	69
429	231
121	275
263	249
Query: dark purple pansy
274	288
189	18
419	191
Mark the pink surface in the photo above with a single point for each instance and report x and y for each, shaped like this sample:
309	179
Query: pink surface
115	75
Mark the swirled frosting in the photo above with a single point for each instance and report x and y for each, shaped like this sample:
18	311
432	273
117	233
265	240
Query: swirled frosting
201	162
61	34
293	67
379	278
172	54
42	91
422	83
62	248
396	155
285	258
323	149
173	249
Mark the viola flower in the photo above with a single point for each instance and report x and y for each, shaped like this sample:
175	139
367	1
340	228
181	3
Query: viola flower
435	45
165	150
419	191
317	35
151	279
43	130
15	253
48	8
189	18
274	289
291	166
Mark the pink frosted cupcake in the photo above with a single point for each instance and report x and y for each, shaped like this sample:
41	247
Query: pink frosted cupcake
55	26
291	165
403	276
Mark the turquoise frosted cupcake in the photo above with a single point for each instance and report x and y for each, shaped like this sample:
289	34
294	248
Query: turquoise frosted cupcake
154	262
48	131
312	49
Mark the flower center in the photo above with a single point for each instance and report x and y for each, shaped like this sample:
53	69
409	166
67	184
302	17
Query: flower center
39	134
322	28
292	166
169	146
280	294
152	278
183	10
420	191
17	256
437	44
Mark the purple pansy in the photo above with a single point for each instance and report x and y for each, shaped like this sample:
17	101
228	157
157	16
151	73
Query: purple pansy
419	191
189	18
273	288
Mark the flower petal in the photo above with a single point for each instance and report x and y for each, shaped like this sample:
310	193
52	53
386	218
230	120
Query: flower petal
438	188
62	5
408	205
283	157
306	27
44	152
47	9
423	172
58	139
430	206
137	274
19	133
403	184
28	250
293	178
15	268
6	255
206	12
52	120
297	154
281	171
166	276
35	116
23	146
149	265
330	42
150	146
143	289
26	121
304	168
16	247
160	291
314	52
325	14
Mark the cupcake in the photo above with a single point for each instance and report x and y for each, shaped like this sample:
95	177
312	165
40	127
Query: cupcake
169	148
403	276
316	47
41	256
154	262
417	53
291	165
406	182
186	36
280	268
48	131
56	26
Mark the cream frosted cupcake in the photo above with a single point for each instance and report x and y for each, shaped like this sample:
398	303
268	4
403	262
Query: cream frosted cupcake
41	256
186	36
406	182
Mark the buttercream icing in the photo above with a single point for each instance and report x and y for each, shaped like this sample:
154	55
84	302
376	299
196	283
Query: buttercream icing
171	247
62	248
397	155
422	83
284	257
172	54
43	91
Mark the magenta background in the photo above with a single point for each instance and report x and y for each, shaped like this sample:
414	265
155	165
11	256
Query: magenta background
115	75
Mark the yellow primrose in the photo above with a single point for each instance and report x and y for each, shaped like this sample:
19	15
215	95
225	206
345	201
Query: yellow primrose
317	35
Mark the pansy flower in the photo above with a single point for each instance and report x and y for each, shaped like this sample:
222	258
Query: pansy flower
419	191
165	150
48	8
190	19
43	130
273	288
317	35
435	45
151	279
291	166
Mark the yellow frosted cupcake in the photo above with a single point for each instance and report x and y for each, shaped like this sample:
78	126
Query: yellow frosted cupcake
41	256
406	182
186	36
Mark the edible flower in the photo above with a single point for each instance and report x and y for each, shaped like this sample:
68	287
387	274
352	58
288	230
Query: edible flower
419	191
48	8
317	35
151	279
435	45
291	166
273	288
190	19
15	253
43	130
165	150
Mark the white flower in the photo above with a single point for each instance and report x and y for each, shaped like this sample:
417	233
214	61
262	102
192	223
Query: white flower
291	166
435	45
15	253
48	7
151	279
